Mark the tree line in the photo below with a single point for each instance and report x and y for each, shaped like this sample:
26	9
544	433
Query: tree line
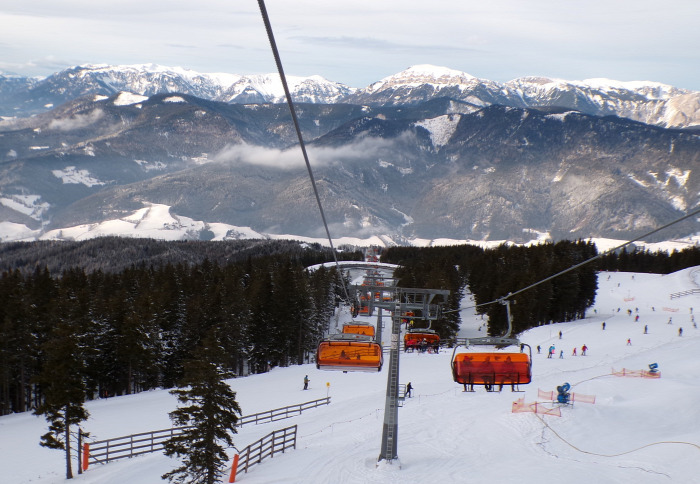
124	332
129	328
490	274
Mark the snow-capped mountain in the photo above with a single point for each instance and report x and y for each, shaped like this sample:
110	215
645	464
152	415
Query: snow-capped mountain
647	102
268	89
149	79
644	101
424	82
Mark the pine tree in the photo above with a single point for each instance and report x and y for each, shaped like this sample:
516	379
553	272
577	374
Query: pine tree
62	381
210	412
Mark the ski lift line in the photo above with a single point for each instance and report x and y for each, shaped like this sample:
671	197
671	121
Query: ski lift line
618	454
302	145
576	266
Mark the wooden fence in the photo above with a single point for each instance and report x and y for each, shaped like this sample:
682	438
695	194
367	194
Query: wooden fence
104	451
268	446
684	293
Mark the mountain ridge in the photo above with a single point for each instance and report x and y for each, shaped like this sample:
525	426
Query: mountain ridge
646	101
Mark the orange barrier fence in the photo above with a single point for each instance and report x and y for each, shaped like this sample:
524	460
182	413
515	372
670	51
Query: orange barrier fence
573	397
519	406
637	373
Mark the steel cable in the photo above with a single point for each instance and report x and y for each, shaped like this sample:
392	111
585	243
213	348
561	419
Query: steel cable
295	120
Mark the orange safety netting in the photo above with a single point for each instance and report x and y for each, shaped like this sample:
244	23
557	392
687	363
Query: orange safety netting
637	373
349	354
492	368
519	406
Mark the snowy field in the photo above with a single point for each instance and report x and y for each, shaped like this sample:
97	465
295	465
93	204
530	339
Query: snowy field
638	431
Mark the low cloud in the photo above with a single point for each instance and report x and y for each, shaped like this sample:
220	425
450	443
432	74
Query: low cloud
77	121
319	156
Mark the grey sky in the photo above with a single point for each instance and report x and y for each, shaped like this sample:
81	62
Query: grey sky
358	42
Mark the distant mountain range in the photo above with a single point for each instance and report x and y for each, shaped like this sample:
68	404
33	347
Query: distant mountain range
425	154
647	102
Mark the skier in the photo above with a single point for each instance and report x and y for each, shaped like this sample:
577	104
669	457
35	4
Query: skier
603	325
561	354
646	329
538	349
629	342
573	353
306	382
409	388
583	350
559	334
680	331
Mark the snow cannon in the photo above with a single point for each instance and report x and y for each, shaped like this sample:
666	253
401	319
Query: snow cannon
563	393
654	368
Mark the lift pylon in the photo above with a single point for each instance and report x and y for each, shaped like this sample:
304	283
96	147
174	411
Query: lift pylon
403	300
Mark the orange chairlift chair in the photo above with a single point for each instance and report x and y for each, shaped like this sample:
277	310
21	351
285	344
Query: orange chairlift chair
358	328
492	368
413	337
349	352
492	361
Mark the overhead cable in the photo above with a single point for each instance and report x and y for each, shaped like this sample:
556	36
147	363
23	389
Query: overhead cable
574	267
295	120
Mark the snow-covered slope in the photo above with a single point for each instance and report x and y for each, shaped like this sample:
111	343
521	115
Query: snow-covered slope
641	431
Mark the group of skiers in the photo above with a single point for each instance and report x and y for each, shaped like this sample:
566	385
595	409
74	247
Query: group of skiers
422	346
552	351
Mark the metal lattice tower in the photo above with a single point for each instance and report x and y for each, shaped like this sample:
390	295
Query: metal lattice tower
403	300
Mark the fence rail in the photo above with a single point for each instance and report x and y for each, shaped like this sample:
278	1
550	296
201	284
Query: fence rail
676	295
282	413
268	446
104	451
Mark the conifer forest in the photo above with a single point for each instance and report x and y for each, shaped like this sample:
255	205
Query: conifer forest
118	316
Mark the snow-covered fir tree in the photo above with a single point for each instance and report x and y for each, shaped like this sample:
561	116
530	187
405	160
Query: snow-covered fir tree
209	409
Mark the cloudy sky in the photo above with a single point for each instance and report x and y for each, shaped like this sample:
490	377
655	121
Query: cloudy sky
358	42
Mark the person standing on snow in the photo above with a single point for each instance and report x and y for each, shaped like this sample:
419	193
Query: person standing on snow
409	388
583	350
306	382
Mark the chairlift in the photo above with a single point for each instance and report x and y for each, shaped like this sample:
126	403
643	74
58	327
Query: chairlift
491	368
498	365
414	337
359	328
349	352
